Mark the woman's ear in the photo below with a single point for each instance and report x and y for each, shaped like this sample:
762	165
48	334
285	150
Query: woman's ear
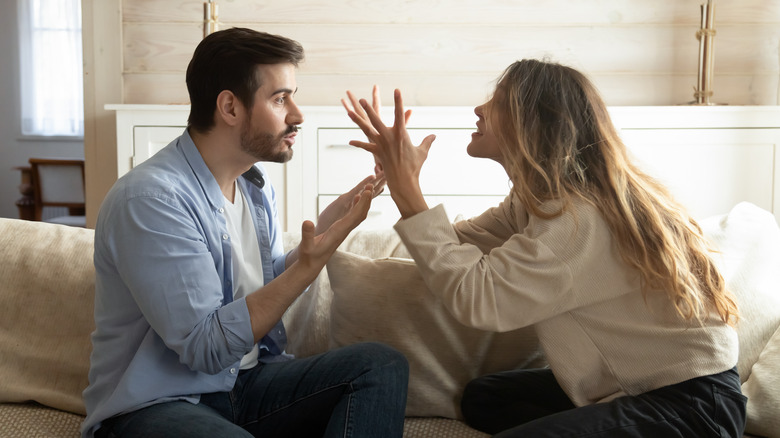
229	109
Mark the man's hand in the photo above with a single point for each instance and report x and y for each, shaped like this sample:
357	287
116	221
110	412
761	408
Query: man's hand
342	205
319	243
267	304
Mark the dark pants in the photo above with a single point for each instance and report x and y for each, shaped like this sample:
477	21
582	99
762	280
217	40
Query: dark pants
357	391
530	403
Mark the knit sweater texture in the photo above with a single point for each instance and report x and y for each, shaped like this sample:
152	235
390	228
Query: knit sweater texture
602	337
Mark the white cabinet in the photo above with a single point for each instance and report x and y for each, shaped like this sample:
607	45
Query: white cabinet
710	170
464	185
710	157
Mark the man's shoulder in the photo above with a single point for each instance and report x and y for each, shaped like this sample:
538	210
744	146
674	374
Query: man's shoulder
165	175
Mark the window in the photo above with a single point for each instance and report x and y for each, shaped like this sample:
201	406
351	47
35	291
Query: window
51	68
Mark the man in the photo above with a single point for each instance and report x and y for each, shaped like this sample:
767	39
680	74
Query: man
192	281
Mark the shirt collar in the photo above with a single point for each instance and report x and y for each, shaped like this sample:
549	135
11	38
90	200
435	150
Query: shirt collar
202	173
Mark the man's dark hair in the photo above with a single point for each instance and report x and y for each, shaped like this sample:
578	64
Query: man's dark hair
228	60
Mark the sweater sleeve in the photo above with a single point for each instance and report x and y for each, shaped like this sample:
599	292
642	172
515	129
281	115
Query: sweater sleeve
493	227
514	285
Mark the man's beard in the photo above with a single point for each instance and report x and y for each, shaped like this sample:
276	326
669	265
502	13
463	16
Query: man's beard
265	146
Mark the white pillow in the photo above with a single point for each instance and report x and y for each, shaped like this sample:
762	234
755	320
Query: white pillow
386	300
748	244
748	240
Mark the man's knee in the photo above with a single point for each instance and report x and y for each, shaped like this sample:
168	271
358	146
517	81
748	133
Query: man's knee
378	356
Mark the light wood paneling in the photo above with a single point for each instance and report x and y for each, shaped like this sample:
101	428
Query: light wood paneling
485	12
428	90
449	52
102	85
468	49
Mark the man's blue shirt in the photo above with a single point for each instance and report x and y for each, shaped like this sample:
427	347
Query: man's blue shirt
167	327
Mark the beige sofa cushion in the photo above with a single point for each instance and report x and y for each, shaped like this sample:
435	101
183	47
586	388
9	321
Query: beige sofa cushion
47	286
386	300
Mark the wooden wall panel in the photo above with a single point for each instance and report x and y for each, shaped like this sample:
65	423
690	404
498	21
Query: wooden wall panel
489	12
617	89
404	48
449	52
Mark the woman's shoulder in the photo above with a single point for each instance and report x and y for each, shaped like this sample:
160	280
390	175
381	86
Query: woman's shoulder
579	225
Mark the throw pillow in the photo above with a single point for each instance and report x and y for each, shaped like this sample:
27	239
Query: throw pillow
748	243
386	300
47	292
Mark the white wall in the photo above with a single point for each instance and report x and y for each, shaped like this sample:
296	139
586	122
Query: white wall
15	151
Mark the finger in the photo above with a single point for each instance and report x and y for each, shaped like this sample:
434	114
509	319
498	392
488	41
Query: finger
307	236
379	186
374	188
366	181
363	123
370	147
427	143
373	117
356	104
407	116
363	204
377	101
353	106
400	120
359	187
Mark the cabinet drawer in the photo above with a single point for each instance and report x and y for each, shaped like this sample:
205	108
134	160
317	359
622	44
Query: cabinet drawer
448	170
384	213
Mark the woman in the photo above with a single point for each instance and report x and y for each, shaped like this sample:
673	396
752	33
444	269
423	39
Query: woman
614	275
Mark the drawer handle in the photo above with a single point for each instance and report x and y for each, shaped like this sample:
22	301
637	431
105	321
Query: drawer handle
341	146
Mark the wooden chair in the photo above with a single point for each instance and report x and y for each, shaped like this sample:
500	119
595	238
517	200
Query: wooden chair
59	183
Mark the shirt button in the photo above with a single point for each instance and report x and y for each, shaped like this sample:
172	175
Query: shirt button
232	371
221	210
225	237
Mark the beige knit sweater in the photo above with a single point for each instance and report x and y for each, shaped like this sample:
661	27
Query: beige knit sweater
506	269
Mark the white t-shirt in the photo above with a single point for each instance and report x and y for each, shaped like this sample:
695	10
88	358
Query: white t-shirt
245	252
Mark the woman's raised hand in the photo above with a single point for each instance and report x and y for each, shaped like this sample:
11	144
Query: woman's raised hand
400	159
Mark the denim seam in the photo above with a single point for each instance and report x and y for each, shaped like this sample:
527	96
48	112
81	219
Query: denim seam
295	402
347	424
665	420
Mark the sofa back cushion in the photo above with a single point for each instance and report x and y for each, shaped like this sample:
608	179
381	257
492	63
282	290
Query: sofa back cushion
47	288
386	300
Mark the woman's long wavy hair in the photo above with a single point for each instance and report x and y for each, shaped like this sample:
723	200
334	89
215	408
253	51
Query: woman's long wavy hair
558	143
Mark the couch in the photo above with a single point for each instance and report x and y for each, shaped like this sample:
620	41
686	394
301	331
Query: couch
369	291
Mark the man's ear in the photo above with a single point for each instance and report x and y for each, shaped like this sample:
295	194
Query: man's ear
229	108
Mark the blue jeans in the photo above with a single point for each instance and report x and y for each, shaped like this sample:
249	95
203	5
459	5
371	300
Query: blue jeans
356	391
530	403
